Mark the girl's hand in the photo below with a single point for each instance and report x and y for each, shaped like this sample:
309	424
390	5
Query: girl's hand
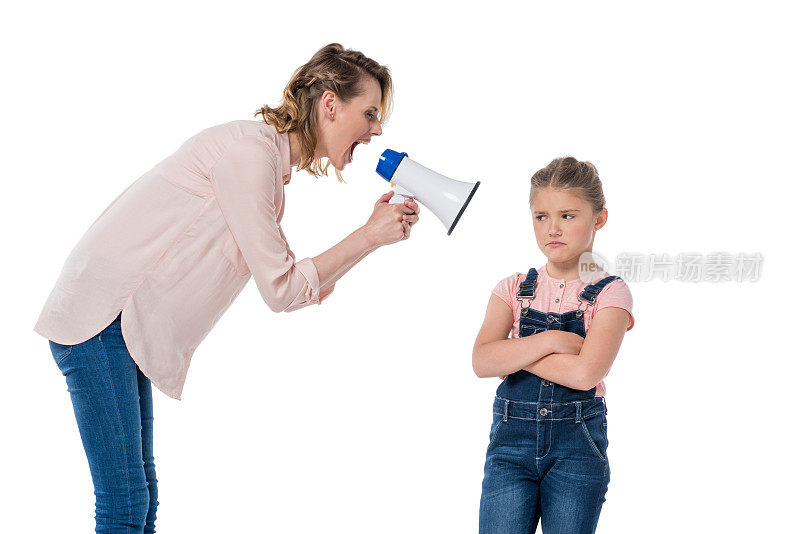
390	223
566	342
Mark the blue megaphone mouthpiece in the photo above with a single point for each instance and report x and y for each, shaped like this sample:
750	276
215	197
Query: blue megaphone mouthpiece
388	163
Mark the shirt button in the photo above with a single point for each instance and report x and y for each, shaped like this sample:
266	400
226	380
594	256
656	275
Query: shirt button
543	411
545	383
556	300
561	285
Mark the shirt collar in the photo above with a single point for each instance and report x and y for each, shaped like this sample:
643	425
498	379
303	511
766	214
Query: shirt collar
545	275
285	151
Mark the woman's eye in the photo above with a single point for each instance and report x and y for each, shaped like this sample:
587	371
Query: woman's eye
371	116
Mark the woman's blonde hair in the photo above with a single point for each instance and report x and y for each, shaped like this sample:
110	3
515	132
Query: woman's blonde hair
331	68
569	173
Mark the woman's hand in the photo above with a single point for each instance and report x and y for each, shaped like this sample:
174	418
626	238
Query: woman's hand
390	223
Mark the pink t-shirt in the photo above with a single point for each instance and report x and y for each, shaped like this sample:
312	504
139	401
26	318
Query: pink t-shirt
558	295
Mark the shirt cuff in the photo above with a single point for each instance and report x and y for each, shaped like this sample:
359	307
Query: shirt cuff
309	270
325	294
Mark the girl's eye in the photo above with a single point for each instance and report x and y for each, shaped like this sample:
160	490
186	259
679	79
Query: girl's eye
540	217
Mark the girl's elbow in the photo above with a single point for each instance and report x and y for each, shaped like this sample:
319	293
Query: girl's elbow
477	364
587	381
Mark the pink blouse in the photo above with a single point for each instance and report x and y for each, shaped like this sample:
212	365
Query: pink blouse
558	295
174	250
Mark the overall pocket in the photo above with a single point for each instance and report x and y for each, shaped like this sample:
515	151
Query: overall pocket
497	423
531	329
594	430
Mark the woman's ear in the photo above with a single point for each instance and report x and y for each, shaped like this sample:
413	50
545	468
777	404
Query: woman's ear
328	103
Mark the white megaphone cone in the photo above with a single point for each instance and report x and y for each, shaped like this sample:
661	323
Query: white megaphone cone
445	197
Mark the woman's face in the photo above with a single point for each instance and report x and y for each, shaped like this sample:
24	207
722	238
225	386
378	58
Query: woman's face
564	224
353	122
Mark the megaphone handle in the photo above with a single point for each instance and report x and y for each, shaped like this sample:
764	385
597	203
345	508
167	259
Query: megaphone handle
398	199
400	195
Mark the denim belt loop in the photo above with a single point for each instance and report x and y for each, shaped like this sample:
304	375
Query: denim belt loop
505	411
577	411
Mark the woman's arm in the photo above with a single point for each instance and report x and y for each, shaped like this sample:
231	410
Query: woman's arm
494	354
246	180
585	370
380	229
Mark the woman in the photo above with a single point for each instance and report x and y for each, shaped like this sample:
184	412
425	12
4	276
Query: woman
159	267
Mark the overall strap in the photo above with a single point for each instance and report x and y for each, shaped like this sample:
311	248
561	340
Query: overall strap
527	288
590	292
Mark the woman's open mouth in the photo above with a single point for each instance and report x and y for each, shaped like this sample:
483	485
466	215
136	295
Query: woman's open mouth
353	148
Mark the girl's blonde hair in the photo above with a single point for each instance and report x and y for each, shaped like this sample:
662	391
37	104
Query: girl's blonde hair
331	68
569	173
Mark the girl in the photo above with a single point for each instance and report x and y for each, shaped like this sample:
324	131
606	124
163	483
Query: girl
547	446
159	267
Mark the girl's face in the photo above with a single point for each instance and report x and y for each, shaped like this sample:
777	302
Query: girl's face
564	224
353	122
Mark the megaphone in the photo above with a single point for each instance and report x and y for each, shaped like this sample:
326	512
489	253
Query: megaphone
445	197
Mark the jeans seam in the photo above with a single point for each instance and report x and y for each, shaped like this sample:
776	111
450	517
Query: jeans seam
587	416
494	434
566	403
119	415
69	351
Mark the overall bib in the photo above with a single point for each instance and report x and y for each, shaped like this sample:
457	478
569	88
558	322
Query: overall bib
547	445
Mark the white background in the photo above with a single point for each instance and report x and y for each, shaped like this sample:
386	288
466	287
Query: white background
363	414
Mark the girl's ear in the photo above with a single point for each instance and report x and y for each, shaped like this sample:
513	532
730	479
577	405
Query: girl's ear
601	219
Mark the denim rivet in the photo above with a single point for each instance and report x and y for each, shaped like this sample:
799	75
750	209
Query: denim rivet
545	383
543	411
524	312
550	319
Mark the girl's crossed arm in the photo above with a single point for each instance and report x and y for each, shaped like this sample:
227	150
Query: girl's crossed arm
496	355
587	368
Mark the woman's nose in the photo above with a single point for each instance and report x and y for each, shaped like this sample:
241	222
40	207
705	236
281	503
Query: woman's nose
377	130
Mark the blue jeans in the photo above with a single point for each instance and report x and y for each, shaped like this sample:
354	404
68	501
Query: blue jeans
545	460
113	404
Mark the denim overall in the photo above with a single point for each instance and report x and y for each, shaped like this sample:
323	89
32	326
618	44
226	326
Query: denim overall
546	456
